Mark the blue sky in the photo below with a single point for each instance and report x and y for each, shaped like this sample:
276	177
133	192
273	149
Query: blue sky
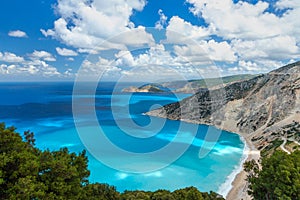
142	40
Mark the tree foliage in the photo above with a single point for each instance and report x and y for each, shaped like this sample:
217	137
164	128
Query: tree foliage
278	179
188	193
29	173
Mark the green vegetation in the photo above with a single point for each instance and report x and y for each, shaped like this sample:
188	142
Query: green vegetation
189	193
29	173
279	177
271	148
188	86
227	79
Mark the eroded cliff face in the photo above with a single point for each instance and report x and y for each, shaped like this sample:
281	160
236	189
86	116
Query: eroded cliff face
258	107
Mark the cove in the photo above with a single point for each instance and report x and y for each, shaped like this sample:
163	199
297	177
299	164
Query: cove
46	109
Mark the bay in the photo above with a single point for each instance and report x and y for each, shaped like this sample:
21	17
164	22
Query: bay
46	109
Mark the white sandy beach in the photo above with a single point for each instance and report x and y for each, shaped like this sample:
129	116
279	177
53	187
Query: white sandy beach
239	185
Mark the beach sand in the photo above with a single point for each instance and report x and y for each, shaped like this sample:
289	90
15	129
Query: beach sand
239	184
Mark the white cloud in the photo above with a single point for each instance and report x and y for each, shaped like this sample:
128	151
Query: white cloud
33	66
66	52
239	20
156	64
260	39
77	26
248	66
179	31
277	48
206	51
102	68
3	69
125	58
282	4
247	36
254	67
136	37
44	55
10	57
155	56
162	20
29	69
17	33
219	51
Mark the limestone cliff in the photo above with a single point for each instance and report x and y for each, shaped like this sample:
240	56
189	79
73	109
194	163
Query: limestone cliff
265	108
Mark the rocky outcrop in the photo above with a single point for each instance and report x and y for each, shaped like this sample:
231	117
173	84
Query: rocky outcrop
257	107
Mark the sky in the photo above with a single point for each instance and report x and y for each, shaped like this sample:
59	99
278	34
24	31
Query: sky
139	40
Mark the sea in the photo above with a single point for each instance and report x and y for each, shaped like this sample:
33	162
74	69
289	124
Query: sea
125	147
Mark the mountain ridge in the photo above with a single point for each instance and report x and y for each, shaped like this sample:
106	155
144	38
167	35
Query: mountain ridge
188	86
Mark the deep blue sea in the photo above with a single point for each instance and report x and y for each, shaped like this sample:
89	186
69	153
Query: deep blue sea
46	109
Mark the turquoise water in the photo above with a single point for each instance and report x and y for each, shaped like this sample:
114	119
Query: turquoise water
46	109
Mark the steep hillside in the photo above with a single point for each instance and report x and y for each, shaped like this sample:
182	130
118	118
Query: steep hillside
189	86
265	108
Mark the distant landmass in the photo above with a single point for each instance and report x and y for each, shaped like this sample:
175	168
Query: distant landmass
155	88
265	109
190	86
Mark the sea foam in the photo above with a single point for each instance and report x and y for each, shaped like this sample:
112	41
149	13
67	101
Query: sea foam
225	188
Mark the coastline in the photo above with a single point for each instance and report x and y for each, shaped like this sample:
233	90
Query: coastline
227	186
239	184
236	183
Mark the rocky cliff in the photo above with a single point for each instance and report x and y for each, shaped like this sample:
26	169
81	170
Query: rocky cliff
266	108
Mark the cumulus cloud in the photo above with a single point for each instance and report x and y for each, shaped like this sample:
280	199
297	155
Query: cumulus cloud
247	37
261	39
241	20
17	33
32	65
248	65
256	67
66	52
277	48
283	4
162	20
205	51
44	55
156	56
155	64
101	68
10	57
78	28
37	69
180	31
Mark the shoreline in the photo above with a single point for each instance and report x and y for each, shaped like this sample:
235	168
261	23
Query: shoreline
237	184
227	186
